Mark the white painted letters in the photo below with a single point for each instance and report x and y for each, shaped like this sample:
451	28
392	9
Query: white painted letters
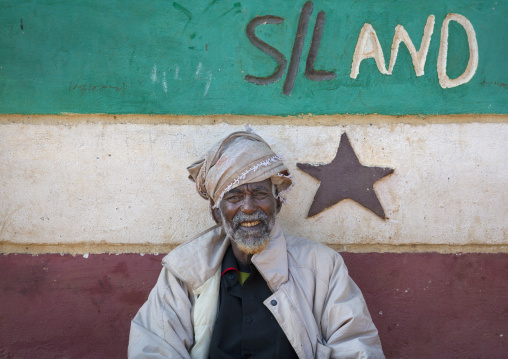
419	57
368	46
472	64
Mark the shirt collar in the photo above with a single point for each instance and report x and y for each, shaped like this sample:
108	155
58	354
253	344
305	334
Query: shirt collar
229	263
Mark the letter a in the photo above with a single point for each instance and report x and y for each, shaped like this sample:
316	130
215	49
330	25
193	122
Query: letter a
472	63
368	46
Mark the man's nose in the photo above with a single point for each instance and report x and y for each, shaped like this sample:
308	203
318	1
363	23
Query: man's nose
248	206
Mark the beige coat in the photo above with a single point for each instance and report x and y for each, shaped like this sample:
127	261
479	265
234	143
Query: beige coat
318	306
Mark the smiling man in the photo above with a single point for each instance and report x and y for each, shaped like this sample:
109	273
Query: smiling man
248	216
245	288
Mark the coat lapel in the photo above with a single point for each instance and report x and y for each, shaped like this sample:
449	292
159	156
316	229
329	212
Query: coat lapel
272	262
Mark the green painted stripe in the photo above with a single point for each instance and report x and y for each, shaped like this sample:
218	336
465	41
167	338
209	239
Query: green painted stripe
167	57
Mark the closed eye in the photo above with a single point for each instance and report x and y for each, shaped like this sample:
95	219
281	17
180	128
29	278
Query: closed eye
234	198
260	195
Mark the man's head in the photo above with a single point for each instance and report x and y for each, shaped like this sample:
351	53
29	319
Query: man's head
248	214
237	175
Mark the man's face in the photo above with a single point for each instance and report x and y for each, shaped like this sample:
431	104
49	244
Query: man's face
248	214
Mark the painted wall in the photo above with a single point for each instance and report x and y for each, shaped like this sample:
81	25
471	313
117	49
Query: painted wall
104	104
192	58
88	184
425	305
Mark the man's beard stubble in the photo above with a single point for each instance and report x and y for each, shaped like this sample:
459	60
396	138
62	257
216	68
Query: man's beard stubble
250	242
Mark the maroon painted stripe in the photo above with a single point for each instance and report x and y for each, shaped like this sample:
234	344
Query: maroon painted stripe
425	305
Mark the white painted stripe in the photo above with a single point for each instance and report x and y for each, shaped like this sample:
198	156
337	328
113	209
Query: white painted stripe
127	183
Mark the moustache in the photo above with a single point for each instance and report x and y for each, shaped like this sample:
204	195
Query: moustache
240	217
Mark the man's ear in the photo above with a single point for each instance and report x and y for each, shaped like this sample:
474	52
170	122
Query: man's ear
279	204
215	213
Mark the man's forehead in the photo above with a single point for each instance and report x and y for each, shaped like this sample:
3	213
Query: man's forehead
253	186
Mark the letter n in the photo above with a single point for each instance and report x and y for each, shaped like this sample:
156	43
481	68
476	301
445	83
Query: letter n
419	57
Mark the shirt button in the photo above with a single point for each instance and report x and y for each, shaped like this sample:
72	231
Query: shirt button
273	302
249	319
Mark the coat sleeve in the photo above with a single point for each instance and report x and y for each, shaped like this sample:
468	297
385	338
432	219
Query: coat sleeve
162	328
346	324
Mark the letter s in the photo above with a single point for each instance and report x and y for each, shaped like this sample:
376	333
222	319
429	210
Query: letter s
267	49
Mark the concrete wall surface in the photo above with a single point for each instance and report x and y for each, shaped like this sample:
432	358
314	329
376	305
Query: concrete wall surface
103	105
103	184
425	305
126	184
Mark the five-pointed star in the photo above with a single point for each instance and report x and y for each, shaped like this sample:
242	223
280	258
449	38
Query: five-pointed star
345	177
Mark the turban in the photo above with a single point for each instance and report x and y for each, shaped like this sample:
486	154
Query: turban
242	157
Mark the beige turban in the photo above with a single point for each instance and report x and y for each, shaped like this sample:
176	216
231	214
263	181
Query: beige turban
242	157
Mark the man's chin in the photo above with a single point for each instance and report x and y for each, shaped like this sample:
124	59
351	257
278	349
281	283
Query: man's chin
251	246
251	242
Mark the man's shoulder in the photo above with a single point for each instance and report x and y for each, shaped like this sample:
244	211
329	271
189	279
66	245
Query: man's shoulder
306	251
210	238
197	259
297	243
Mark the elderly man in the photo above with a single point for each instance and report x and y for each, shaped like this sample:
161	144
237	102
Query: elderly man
245	288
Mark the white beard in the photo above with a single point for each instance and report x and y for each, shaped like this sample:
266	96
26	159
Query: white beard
249	242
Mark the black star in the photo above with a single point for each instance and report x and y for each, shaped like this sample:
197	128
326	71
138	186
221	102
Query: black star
345	177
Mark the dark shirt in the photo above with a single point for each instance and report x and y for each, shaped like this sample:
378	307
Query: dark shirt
245	328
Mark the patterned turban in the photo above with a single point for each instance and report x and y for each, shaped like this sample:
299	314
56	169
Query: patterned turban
242	157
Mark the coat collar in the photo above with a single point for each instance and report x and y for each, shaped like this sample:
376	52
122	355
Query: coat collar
197	260
272	262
